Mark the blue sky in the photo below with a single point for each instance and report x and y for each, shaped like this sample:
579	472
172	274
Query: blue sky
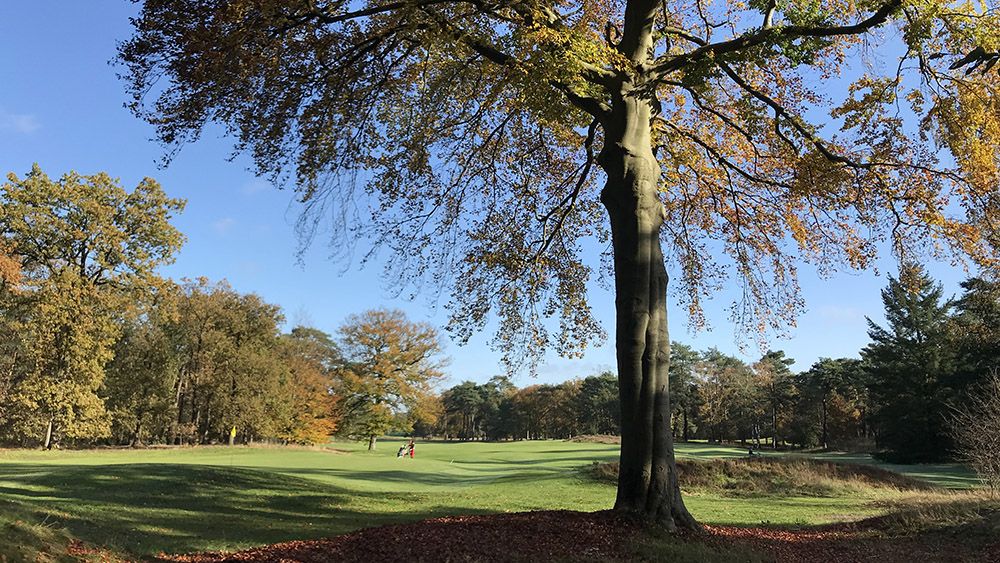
61	105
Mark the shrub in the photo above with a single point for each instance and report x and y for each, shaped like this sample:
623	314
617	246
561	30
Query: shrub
975	427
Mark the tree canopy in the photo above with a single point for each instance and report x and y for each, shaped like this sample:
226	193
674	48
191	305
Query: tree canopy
462	136
389	366
86	251
479	124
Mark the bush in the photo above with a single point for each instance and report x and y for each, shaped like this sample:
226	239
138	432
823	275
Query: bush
976	430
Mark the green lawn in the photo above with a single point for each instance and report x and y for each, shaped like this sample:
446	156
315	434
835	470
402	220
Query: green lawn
212	498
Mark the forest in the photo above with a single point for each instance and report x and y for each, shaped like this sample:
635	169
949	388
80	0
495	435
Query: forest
901	398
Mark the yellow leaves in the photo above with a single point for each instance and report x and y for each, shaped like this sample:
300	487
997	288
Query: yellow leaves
389	364
969	124
816	175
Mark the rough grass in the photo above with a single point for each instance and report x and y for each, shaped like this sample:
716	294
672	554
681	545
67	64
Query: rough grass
760	477
24	537
973	515
596	439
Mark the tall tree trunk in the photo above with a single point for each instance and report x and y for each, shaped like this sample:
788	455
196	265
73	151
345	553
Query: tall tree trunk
647	480
371	442
685	436
824	440
774	428
48	434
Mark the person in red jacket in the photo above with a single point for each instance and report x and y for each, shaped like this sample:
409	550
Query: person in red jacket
410	448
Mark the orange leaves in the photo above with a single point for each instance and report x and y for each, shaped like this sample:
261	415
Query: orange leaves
390	365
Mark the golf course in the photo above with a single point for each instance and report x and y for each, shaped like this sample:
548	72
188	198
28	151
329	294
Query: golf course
141	503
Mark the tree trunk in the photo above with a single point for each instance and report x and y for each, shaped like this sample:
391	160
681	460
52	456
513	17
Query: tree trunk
48	435
647	480
136	433
685	436
371	442
824	440
774	428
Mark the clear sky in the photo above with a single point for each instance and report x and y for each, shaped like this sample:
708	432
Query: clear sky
61	105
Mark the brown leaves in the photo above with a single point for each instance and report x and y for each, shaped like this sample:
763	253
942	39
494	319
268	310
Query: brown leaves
530	536
599	536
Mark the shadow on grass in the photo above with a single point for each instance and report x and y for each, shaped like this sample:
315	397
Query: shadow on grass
142	509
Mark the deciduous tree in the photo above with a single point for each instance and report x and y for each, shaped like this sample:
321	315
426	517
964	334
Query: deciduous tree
389	365
476	126
87	251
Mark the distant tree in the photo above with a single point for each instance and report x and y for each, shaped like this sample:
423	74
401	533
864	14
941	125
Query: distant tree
87	251
421	418
463	404
495	392
388	365
563	420
598	406
826	387
230	373
910	362
683	388
775	380
311	415
140	385
315	346
727	396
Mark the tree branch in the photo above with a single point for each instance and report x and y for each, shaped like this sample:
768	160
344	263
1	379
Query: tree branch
771	35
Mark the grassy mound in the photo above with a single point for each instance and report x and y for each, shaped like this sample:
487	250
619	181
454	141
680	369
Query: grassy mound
596	439
783	476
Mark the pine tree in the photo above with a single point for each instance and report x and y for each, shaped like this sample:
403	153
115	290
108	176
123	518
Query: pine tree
910	363
976	331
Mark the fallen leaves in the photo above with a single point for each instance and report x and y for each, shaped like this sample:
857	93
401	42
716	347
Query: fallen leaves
596	536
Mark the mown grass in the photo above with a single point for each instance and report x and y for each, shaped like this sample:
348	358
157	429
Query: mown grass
217	498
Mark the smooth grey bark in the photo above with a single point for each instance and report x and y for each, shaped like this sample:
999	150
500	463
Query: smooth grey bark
48	434
371	442
647	481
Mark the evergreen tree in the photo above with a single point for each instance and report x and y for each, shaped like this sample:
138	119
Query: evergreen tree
910	363
976	331
683	389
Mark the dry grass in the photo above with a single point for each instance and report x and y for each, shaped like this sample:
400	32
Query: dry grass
976	512
597	439
780	476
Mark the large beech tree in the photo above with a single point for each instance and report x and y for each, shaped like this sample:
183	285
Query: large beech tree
736	133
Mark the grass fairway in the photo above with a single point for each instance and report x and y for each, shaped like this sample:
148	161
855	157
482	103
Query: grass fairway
217	498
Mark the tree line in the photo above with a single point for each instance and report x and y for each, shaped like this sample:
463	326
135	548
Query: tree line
899	398
96	348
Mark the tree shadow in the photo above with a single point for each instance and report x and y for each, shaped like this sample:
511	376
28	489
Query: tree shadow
141	509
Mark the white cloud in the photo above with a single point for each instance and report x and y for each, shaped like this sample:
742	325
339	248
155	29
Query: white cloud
18	122
224	225
838	313
255	186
